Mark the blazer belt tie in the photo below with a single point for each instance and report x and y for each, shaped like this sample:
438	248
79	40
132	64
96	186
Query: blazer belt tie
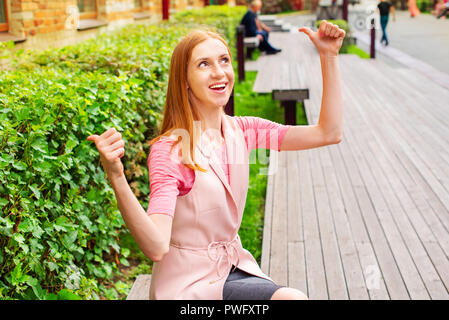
219	251
224	250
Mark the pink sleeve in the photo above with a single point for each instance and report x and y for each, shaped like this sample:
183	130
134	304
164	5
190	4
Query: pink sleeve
262	133
168	178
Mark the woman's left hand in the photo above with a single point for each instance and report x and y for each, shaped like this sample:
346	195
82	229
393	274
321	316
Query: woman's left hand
328	39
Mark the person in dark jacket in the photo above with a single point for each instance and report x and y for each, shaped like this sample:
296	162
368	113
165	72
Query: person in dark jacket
384	8
254	27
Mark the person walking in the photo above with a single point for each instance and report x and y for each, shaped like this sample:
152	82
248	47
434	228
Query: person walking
199	172
413	8
384	8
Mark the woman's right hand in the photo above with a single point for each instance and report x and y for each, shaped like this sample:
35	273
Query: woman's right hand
111	148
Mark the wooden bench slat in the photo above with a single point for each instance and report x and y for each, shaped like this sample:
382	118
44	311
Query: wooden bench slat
141	288
251	42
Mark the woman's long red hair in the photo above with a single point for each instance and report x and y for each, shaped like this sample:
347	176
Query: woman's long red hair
178	111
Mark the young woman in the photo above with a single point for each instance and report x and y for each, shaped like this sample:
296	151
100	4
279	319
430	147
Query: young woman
199	172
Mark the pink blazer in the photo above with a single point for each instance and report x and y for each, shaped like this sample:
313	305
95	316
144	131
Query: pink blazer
204	241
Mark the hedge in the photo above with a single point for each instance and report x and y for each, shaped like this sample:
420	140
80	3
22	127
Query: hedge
60	226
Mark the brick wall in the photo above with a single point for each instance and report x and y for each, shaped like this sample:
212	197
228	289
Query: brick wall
29	18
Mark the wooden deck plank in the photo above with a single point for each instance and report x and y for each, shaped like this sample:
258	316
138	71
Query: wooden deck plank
268	215
374	209
296	256
368	259
365	251
383	197
388	207
441	226
316	277
334	272
353	271
427	271
278	255
399	98
295	223
385	256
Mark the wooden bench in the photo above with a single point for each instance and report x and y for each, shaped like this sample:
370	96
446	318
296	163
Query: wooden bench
285	80
275	24
250	43
141	288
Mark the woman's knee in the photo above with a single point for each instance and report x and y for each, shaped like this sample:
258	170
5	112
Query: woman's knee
288	294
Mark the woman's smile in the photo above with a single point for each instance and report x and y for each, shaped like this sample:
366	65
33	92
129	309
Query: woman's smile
219	87
210	76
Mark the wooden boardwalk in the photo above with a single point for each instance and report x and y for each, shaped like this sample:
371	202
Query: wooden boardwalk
367	218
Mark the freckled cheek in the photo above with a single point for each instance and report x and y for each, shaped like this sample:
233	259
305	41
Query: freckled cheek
231	77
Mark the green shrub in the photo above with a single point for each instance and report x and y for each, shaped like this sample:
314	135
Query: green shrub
60	227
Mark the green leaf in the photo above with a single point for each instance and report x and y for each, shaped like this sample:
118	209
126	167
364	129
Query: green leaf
92	195
124	262
19	238
66	176
35	190
37	289
17	276
69	239
51	296
52	266
62	223
71	143
19	165
3	202
65	294
40	144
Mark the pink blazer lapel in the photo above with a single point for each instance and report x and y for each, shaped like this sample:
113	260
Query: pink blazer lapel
235	154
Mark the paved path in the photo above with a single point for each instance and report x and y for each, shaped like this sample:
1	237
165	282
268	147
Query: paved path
424	37
420	43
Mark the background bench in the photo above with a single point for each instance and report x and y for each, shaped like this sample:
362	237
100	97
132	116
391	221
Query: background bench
250	43
275	24
285	80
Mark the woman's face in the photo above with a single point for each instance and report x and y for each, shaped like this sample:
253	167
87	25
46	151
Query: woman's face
210	77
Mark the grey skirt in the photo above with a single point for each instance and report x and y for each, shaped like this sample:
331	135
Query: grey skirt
241	285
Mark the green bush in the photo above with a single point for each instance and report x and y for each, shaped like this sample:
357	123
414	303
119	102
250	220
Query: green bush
60	227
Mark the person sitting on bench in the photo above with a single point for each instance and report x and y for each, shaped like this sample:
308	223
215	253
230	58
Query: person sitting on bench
253	28
445	10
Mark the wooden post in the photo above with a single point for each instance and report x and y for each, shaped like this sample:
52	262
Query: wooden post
165	7
229	107
241	52
403	5
289	111
373	40
345	10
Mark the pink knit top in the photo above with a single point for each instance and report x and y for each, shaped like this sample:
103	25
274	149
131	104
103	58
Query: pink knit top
170	179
